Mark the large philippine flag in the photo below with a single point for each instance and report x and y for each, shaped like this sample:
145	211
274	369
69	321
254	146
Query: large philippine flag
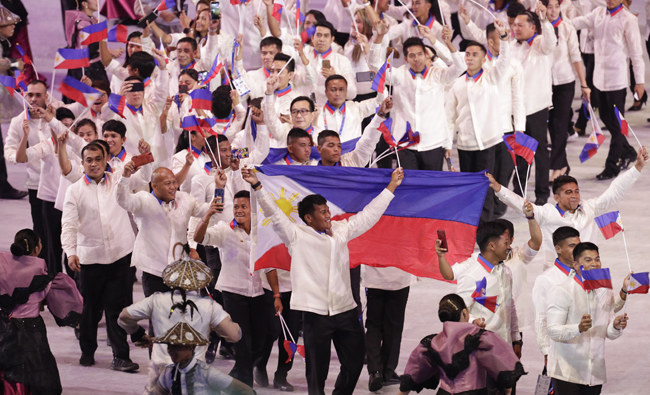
404	237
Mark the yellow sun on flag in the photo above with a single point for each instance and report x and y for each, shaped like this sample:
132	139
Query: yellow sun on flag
286	204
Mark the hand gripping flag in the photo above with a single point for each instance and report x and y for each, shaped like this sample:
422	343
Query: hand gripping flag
78	91
622	122
9	83
610	224
481	287
426	201
489	302
118	34
379	82
590	149
68	58
201	99
520	144
596	278
166	5
117	104
93	33
639	283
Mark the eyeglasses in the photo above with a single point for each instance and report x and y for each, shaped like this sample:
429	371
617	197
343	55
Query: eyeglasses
302	112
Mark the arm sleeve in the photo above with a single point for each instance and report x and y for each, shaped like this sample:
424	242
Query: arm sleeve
215	236
366	144
348	72
116	69
584	22
613	333
13	139
574	46
514	319
362	222
539	305
69	223
499	360
224	326
272	120
556	316
616	190
420	371
549	40
472	32
64	300
129	201
517	91
282	225
40	150
635	49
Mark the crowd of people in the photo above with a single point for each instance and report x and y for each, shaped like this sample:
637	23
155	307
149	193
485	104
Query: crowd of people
147	165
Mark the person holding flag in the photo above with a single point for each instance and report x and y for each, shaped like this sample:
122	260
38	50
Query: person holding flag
319	249
579	319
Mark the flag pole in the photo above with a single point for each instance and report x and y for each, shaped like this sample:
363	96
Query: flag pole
411	13
483	7
634	134
397	156
288	20
212	152
52	87
526	181
627	255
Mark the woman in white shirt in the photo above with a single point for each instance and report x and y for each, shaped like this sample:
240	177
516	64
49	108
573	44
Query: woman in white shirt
566	61
357	49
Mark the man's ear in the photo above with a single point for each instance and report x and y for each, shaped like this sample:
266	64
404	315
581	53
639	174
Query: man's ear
308	219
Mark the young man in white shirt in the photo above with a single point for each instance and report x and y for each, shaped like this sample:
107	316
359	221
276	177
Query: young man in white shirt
98	239
303	116
256	79
535	53
319	250
578	323
616	38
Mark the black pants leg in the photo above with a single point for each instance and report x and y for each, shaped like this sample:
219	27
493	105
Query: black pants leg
355	284
265	330
472	161
558	122
52	229
318	331
213	261
566	388
588	60
152	284
618	146
36	209
293	319
422	160
240	309
536	127
117	295
375	310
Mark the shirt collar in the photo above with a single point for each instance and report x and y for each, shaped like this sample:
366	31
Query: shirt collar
423	73
267	73
154	195
134	109
320	163
288	160
532	39
89	180
323	54
146	81
429	22
563	268
121	156
476	76
490	55
310	129
562	212
332	109
485	263
615	10
282	92
195	151
189	66
557	22
234	224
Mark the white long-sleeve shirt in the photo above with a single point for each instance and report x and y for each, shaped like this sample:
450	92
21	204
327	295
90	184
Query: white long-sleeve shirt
346	120
567	52
320	264
503	321
616	38
573	356
338	62
550	217
93	226
161	225
39	130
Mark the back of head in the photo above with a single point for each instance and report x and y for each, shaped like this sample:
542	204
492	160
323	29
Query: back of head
63	113
221	101
306	205
143	62
113	125
325	134
562	180
489	29
582	247
563	233
450	308
25	241
515	8
319	16
488	232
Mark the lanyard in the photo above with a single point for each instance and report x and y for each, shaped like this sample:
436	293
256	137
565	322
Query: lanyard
332	110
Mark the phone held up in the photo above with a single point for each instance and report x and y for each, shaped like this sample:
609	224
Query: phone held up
443	238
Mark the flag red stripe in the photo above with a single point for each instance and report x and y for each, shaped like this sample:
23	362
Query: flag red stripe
595	284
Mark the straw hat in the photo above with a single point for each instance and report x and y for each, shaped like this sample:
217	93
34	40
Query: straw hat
182	334
7	17
189	274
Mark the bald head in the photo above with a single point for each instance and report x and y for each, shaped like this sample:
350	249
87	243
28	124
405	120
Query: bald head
164	185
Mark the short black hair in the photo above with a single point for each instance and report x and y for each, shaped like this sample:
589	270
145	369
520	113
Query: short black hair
189	40
270	40
489	29
515	8
36	82
319	16
93	146
327	25
221	101
306	205
312	108
143	62
563	233
509	226
562	180
297	133
283	57
489	232
476	44
242	194
325	134
103	144
86	122
412	42
63	113
582	247
113	125
193	74
335	77
450	308
102	85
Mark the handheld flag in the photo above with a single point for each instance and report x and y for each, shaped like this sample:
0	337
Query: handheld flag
24	55
68	58
93	33
118	34
191	123
21	80
300	18
622	122
520	144
489	302
481	286
307	34
117	104
639	283
596	278
214	71
9	83
409	138
201	99
385	129
166	5
610	224
278	7
207	124
591	146
379	82
78	91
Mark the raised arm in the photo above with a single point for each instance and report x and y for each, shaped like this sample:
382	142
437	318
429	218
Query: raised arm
619	187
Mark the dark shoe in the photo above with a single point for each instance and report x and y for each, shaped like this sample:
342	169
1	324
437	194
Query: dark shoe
212	351
540	201
638	104
606	175
625	161
391	379
86	360
580	131
375	382
124	365
261	378
13	194
282	385
77	332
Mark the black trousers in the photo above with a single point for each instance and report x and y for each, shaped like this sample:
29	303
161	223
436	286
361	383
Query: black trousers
36	210
252	315
355	285
536	127
384	325
4	182
152	284
566	388
104	287
293	319
213	261
52	228
472	161
588	60
346	332
559	118
618	146
422	160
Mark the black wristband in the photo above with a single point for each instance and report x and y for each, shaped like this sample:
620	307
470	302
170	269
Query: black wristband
138	335
529	218
624	291
505	35
256	185
518	342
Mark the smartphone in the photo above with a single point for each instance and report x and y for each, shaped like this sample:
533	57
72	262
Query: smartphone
202	75
183	89
215	10
326	64
240	153
219	194
137	87
143	159
142	23
365	76
443	238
